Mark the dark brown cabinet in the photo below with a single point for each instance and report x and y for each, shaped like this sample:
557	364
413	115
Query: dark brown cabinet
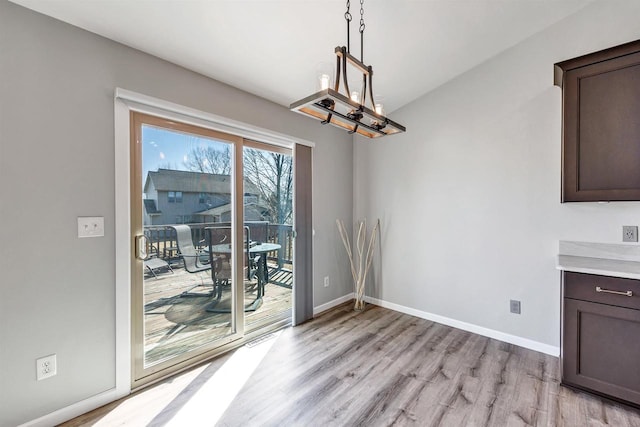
600	125
601	335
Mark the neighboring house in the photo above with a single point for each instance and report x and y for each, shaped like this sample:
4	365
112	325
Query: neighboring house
252	212
183	197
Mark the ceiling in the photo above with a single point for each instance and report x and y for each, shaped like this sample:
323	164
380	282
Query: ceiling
272	48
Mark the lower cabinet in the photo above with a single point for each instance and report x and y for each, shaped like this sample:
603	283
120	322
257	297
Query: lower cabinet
601	335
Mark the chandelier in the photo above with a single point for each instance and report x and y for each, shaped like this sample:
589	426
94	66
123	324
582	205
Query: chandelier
348	110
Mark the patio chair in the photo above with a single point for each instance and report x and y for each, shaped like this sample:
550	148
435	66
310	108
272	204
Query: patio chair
258	230
153	262
191	257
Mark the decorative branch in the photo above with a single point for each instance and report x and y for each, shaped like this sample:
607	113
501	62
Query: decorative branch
361	265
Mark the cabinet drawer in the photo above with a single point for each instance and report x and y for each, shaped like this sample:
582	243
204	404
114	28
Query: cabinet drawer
583	287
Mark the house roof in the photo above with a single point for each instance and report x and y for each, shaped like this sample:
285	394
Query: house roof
150	207
193	182
252	210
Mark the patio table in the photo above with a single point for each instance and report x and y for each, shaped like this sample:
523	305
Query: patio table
261	250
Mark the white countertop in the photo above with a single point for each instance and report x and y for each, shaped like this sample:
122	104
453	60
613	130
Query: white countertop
605	259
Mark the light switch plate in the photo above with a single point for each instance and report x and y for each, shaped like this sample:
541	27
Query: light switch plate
90	226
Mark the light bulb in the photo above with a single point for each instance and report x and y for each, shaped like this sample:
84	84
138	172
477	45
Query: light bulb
325	80
355	96
380	109
324	76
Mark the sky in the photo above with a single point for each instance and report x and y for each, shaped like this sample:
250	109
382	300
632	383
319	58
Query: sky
162	148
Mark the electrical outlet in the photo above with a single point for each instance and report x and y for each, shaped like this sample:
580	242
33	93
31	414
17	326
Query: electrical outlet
514	306
90	226
629	233
46	367
326	281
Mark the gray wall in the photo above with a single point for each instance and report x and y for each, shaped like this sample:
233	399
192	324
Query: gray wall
469	197
57	163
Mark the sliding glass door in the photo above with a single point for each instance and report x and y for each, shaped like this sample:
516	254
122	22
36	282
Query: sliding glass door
213	241
188	285
268	217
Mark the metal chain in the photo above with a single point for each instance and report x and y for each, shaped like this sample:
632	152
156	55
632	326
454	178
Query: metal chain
347	17
361	16
362	26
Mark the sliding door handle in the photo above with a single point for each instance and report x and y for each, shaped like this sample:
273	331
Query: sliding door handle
141	247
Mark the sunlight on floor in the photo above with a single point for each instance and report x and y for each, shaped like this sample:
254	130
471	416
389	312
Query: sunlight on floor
213	398
153	401
205	406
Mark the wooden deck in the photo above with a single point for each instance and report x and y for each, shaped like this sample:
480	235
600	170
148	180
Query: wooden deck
176	323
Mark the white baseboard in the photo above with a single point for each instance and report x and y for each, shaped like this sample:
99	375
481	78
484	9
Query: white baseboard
77	409
324	307
469	327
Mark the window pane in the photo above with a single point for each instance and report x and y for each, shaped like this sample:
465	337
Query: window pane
180	287
268	196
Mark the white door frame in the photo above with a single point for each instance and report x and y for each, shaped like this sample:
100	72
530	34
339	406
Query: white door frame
124	102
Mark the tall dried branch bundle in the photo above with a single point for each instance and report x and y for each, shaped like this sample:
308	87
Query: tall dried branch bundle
361	262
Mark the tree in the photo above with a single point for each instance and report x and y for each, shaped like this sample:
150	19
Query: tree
269	172
272	174
210	160
167	165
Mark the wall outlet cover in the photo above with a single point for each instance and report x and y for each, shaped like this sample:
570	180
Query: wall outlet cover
629	233
514	306
46	367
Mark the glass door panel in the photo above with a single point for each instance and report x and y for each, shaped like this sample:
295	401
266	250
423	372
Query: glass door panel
268	217
185	288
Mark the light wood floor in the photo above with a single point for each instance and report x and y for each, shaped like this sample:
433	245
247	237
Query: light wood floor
375	368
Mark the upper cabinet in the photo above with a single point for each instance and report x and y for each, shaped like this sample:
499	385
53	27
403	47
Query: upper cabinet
601	125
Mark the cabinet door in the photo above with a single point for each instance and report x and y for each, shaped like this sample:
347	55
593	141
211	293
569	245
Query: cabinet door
601	349
601	133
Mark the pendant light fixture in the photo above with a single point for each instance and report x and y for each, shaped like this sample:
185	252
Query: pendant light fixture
348	109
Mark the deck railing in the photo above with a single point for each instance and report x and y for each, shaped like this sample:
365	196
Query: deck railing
161	240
